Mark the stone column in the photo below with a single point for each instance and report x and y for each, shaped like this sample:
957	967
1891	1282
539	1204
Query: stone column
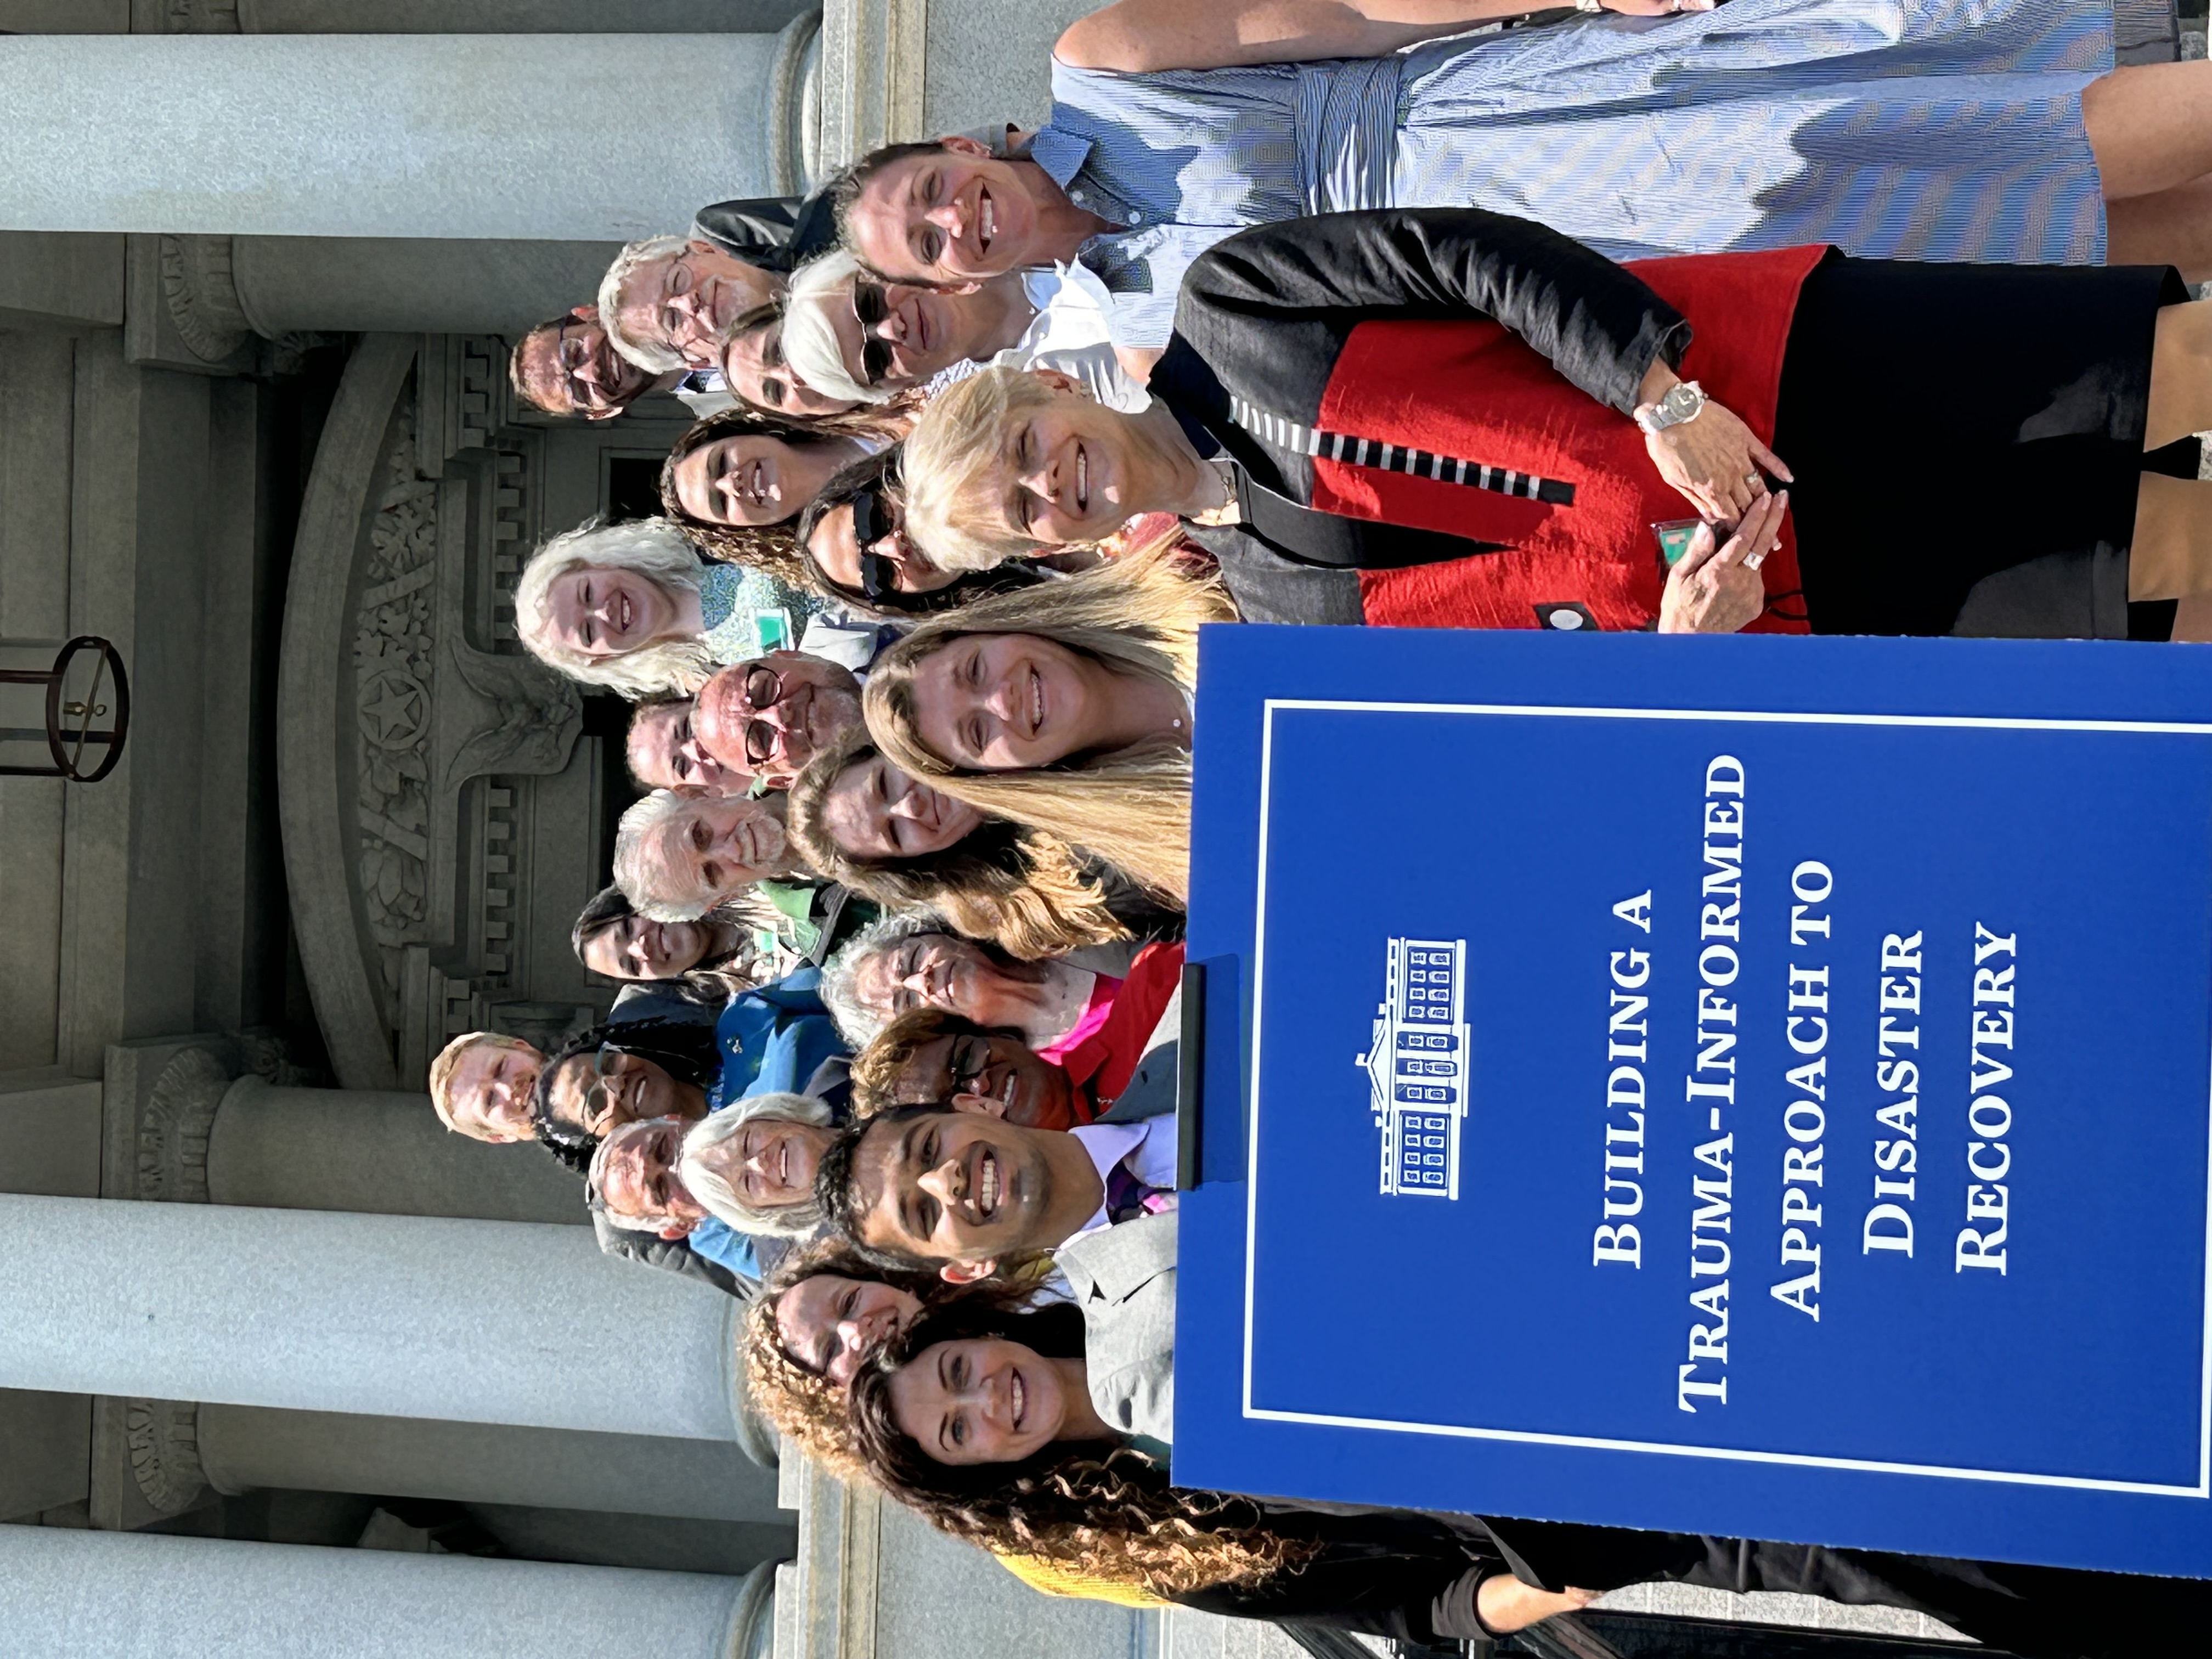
373	1152
142	1596
240	1448
524	137
183	1130
470	1321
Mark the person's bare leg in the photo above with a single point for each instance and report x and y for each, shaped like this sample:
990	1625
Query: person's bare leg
2171	228
2192	620
2149	126
2171	556
2181	374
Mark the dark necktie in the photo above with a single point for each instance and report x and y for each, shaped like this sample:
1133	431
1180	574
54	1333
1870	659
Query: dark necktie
1128	1198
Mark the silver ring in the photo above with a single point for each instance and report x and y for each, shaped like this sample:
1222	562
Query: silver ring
1752	478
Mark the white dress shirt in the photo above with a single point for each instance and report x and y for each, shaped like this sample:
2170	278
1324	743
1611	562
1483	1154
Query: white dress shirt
1148	1147
1071	333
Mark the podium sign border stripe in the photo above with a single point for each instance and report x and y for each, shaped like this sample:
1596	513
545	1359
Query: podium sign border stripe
1715	716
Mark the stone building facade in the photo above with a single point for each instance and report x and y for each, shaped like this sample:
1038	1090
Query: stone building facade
291	1369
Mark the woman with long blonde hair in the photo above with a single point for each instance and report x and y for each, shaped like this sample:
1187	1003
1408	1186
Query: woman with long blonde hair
1026	891
1064	708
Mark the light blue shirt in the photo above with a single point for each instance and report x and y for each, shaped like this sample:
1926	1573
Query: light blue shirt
718	1242
1180	159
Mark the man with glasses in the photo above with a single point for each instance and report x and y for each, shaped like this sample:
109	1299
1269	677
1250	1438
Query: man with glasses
770	717
668	302
665	752
569	367
928	1055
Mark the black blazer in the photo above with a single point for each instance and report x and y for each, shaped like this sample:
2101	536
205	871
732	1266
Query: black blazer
773	233
1264	316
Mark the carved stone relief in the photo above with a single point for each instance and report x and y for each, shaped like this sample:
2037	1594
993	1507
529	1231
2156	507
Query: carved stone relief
466	818
162	1439
173	1126
201	299
393	676
449	738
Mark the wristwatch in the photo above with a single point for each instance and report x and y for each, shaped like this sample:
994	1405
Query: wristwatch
1683	402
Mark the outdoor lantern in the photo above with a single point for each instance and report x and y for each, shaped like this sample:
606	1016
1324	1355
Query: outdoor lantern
72	723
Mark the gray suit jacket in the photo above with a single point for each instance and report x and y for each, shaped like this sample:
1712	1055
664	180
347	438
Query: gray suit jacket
1150	1089
1124	1281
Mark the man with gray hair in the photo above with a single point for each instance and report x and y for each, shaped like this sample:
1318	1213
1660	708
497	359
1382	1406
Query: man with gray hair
569	367
667	301
745	1174
678	856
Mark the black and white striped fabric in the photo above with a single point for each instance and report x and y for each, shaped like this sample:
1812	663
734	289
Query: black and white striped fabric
1279	434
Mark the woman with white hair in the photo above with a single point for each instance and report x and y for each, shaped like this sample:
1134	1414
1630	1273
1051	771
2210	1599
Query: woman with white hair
724	1186
677	857
909	962
634	607
751	1166
851	335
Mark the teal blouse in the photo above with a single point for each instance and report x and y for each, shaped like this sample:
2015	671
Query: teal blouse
749	613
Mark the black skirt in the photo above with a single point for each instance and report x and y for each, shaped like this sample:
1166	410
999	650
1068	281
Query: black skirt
1967	441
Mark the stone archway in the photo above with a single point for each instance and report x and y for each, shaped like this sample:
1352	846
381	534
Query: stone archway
436	805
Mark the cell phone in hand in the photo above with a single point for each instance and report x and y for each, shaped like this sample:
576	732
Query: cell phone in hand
1674	536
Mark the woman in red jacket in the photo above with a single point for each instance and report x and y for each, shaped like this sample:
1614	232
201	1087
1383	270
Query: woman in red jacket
1453	417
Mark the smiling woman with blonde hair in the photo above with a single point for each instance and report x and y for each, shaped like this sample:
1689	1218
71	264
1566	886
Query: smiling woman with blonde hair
1064	707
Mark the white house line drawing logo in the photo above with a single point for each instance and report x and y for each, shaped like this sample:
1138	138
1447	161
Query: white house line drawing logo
1416	1066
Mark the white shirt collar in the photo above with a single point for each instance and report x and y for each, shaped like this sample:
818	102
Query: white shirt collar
1151	1157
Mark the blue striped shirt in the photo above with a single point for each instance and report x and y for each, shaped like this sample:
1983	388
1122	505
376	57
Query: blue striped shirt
1893	128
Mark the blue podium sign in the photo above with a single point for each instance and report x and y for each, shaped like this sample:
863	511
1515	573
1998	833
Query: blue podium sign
1746	1086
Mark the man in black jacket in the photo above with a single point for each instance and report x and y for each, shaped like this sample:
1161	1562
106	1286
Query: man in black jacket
775	232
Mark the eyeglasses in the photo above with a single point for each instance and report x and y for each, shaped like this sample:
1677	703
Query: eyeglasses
599	1099
871	304
763	690
575	354
970	1062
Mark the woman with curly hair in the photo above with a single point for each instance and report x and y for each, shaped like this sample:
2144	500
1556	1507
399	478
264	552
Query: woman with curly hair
1063	709
857	819
1038	1434
736	480
822	1313
1004	1448
632	607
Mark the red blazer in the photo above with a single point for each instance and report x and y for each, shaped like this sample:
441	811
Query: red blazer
1488	364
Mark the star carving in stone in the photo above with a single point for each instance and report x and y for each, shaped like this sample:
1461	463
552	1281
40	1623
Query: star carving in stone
396	712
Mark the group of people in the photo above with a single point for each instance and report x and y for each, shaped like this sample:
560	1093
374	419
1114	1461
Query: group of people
1786	315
